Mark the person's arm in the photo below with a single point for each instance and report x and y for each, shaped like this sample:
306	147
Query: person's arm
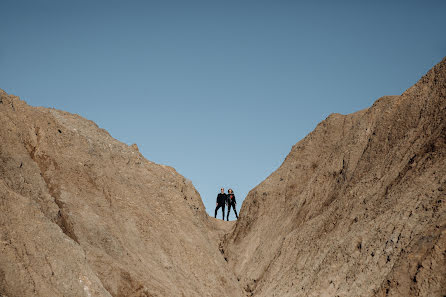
235	201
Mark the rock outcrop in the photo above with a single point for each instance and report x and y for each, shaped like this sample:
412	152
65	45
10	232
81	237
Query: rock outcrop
357	208
83	214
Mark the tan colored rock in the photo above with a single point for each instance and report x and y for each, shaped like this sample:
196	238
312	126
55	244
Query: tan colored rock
83	214
358	207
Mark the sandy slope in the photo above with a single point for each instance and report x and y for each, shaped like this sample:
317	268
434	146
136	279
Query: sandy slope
84	214
357	208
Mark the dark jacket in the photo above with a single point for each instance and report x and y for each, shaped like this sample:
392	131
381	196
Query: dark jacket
231	198
221	199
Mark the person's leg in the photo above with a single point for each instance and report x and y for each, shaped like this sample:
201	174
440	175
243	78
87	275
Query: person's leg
235	210
229	210
223	212
216	209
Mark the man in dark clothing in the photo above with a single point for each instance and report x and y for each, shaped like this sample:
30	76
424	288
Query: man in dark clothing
221	202
231	203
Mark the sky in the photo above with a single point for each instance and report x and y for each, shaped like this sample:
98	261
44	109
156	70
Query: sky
220	90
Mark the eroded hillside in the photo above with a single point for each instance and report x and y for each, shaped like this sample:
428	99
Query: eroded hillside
83	214
357	208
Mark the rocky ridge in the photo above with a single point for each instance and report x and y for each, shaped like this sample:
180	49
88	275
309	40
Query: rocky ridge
358	206
83	214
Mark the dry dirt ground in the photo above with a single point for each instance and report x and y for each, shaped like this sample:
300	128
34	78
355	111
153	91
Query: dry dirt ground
356	209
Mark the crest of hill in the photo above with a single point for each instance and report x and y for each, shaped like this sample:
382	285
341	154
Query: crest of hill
358	206
83	214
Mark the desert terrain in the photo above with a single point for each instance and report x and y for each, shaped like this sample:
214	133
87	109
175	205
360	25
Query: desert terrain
356	209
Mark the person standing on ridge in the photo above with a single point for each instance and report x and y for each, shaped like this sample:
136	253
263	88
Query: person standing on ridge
231	203
221	202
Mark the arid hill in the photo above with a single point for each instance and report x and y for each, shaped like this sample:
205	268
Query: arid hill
356	209
83	214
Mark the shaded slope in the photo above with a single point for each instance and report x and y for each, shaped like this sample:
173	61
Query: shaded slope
83	214
357	208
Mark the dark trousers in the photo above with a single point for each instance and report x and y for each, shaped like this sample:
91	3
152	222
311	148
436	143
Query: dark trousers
229	210
222	210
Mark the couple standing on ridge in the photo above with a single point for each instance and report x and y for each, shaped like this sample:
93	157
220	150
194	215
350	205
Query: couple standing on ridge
226	199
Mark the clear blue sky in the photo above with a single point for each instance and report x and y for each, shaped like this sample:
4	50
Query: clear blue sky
220	90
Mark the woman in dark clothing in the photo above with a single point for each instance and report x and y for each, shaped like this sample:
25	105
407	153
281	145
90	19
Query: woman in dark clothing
231	203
